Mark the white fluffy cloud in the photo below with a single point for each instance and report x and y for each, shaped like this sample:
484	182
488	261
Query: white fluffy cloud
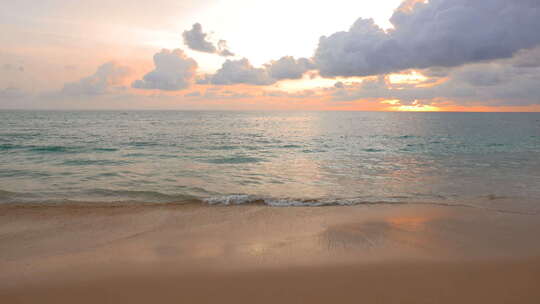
173	71
442	33
198	40
108	77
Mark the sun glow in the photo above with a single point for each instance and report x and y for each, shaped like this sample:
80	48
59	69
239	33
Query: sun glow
311	81
416	106
412	77
421	108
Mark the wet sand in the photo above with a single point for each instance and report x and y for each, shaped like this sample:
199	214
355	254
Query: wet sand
199	254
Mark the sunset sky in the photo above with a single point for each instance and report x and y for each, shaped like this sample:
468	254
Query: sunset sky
389	55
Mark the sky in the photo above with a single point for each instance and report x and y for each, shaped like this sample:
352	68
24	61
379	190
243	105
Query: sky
387	55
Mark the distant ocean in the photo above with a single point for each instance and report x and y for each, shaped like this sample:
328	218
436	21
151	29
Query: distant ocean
477	160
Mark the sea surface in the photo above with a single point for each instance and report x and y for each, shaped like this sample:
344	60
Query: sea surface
476	160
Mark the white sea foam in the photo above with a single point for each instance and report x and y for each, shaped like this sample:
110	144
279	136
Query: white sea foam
237	199
242	199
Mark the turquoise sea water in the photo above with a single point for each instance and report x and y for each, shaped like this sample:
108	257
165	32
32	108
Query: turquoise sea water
483	160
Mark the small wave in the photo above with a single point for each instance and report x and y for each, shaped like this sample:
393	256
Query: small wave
131	196
494	197
313	151
137	155
93	162
244	199
105	149
52	149
6	194
235	160
105	196
222	148
20	135
97	196
227	200
137	196
372	150
407	136
495	145
6	147
40	149
23	173
143	144
291	146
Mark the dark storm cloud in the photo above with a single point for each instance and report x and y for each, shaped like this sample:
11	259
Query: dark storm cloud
198	40
173	71
108	77
444	33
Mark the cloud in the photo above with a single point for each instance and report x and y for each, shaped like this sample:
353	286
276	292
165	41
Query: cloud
12	93
240	72
339	85
289	68
225	94
108	77
197	40
223	49
439	33
11	67
243	72
407	6
527	59
504	82
193	94
173	71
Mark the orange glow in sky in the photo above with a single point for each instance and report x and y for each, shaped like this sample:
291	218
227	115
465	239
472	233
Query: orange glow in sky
71	41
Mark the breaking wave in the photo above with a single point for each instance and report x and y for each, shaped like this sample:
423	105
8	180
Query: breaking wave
243	199
104	196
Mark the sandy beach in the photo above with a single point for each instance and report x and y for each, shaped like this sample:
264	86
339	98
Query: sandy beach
91	253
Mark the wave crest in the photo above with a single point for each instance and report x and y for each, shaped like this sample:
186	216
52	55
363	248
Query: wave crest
244	199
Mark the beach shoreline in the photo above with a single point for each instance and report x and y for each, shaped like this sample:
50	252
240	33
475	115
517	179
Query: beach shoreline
205	254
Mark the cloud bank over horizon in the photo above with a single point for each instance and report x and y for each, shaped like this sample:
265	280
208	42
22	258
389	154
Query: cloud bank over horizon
504	82
462	53
108	77
439	33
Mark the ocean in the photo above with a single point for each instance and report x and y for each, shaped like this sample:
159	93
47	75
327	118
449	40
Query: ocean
474	160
